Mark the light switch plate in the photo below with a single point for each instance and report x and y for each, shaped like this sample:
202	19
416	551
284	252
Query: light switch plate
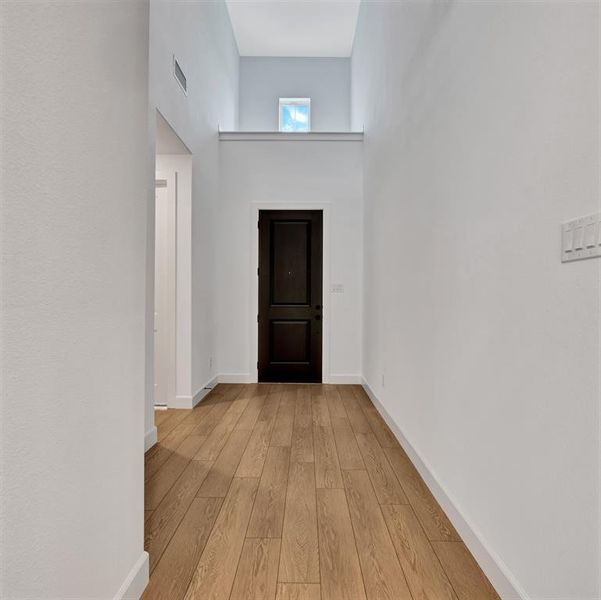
581	238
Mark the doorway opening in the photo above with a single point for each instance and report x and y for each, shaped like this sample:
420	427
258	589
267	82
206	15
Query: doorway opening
172	272
290	316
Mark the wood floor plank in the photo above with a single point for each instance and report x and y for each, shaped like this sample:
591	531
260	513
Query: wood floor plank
257	574
299	561
174	571
178	434
218	481
267	516
382	573
217	439
382	432
154	459
466	577
201	411
339	564
160	453
156	487
251	463
433	519
290	443
160	414
327	467
212	418
319	407
165	519
334	401
284	422
191	445
171	422
270	409
354	412
349	455
386	485
423	571
253	409
302	434
216	568
210	412
298	591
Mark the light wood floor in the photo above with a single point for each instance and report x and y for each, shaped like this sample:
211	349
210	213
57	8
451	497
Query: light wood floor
294	492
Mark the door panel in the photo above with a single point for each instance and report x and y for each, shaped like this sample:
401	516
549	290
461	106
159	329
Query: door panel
290	255
290	295
290	341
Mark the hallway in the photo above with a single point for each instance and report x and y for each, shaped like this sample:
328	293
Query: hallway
294	492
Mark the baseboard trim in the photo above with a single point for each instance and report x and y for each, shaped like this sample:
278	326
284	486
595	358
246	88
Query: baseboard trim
192	401
236	378
344	379
495	569
182	402
248	378
150	438
136	581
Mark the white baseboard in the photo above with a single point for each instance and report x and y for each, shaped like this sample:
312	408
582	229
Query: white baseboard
136	581
192	401
495	569
344	379
150	438
236	378
182	402
248	378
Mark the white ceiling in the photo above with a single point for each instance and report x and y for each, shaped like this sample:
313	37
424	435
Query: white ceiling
294	27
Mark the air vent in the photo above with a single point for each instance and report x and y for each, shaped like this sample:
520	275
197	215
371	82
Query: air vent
179	75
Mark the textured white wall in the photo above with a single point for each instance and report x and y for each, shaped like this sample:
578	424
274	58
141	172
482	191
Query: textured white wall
73	186
481	137
263	81
200	36
289	173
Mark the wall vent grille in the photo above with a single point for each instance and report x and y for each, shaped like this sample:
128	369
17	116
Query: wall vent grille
179	75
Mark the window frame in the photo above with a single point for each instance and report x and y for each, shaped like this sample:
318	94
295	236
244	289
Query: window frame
297	102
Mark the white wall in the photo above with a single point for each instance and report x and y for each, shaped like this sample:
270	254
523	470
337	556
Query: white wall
263	81
481	137
73	189
288	173
200	36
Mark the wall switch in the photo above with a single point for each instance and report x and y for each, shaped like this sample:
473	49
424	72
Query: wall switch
578	238
590	235
581	238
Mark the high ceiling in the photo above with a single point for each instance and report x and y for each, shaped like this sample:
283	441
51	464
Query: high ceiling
294	27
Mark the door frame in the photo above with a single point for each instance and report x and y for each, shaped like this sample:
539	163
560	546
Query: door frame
167	321
180	165
324	207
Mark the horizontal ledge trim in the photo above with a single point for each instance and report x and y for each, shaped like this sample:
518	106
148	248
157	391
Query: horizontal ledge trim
278	136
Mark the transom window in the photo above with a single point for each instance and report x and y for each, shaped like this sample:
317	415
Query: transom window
295	114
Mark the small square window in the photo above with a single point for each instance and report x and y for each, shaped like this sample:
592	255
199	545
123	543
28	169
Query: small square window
295	114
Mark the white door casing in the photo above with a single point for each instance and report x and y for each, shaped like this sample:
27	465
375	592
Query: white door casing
164	288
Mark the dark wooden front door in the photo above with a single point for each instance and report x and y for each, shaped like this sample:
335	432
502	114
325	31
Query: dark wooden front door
290	295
